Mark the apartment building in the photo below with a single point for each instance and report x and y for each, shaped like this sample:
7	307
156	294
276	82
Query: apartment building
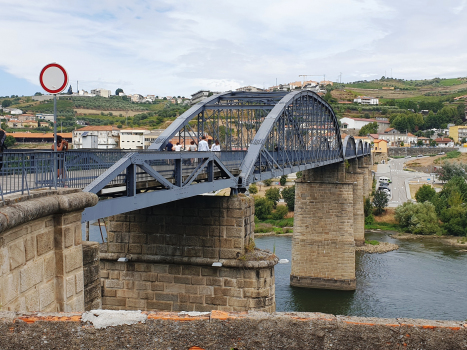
108	136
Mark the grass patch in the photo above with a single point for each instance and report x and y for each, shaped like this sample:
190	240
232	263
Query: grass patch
287	222
383	226
372	242
452	155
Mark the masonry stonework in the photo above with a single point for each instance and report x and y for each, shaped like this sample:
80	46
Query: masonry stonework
170	250
92	282
323	245
40	251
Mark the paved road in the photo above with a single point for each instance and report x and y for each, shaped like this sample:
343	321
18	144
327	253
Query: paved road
399	187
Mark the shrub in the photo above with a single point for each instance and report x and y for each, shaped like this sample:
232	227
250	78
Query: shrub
299	174
367	207
450	170
253	189
273	194
263	207
267	182
369	220
425	193
288	194
455	220
280	212
418	218
283	180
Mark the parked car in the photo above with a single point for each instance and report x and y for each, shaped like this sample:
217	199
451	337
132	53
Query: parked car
384	179
383	185
420	156
441	153
408	156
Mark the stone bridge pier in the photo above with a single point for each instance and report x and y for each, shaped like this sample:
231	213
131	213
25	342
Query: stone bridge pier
168	253
329	223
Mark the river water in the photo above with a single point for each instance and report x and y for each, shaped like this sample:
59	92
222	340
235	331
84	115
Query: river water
422	279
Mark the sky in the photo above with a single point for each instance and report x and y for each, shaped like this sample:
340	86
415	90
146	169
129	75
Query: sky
179	47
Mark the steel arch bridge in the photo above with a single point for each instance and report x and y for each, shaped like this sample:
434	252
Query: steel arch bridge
262	136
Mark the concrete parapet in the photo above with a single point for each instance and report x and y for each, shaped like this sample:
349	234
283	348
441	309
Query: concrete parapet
222	330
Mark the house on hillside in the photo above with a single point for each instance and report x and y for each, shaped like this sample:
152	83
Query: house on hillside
425	141
391	131
399	140
366	100
101	92
380	151
444	142
108	136
358	123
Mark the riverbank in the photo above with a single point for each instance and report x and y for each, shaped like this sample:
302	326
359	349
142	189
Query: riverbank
453	241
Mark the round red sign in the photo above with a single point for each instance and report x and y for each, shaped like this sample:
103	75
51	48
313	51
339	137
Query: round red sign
53	78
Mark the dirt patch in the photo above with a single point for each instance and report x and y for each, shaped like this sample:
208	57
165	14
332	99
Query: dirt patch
382	247
387	216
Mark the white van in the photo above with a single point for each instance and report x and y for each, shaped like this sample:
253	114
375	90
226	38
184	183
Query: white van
384	179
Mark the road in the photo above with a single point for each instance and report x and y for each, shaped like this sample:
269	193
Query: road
394	170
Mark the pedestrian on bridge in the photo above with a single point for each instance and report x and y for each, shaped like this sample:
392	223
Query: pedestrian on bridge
178	147
203	145
62	145
192	148
216	147
2	146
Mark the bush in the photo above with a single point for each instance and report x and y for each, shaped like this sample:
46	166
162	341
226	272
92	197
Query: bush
369	220
263	208
267	182
253	189
283	180
299	174
455	220
367	207
425	193
418	218
280	212
288	194
450	170
10	141
273	194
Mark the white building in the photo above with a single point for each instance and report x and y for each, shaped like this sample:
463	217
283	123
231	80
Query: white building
133	138
16	111
107	136
199	96
151	137
136	98
43	116
358	123
101	92
396	140
250	88
365	100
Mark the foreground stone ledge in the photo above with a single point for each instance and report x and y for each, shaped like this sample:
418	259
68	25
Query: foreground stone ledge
222	330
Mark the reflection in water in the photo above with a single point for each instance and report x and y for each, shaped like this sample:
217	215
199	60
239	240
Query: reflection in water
422	279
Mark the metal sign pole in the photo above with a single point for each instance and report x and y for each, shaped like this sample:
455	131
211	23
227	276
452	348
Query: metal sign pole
55	142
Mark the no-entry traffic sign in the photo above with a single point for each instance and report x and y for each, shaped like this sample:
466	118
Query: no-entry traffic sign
53	78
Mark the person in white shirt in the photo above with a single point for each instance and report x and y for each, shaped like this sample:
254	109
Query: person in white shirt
203	145
178	147
216	147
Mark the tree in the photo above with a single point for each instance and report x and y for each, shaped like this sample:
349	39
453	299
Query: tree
283	180
370	128
273	194
418	218
118	91
10	141
38	94
463	140
253	189
451	170
380	201
280	212
6	103
402	144
425	193
70	90
267	182
419	143
263	207
288	194
432	143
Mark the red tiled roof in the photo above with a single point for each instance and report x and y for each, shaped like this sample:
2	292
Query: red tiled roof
388	129
442	140
375	136
98	128
370	120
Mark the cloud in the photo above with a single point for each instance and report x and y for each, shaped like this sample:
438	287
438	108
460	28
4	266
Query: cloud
178	47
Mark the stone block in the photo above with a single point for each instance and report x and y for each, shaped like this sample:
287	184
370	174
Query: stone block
73	259
11	287
134	248
159	305
206	290
149	276
142	285
174	288
70	286
31	275
156	286
32	300
166	296
46	295
113	301
238	302
158	268
113	284
165	278
16	253
182	279
192	289
30	249
136	304
146	295
78	235
79	281
213	281
68	234
209	271
216	300
198	280
196	299
124	293
142	267
109	292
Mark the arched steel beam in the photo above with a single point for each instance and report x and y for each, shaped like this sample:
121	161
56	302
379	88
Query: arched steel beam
183	120
359	147
347	144
256	146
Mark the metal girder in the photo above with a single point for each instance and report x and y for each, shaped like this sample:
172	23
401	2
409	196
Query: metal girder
114	206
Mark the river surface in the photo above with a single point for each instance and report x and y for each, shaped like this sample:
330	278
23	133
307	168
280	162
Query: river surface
422	279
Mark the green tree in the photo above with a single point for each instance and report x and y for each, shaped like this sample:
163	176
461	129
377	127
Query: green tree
450	170
10	141
463	140
253	189
299	174
418	218
6	103
119	90
283	180
263	207
419	143
425	193
38	94
288	194
267	182
380	201
273	194
370	128
432	143
280	212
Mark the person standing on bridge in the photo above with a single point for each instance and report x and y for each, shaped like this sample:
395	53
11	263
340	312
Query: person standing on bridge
203	145
62	145
216	147
2	145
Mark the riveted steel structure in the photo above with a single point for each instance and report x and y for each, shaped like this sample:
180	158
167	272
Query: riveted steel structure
262	135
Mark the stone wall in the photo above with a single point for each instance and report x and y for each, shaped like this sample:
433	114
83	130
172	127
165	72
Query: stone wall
221	330
92	281
414	151
170	249
40	251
